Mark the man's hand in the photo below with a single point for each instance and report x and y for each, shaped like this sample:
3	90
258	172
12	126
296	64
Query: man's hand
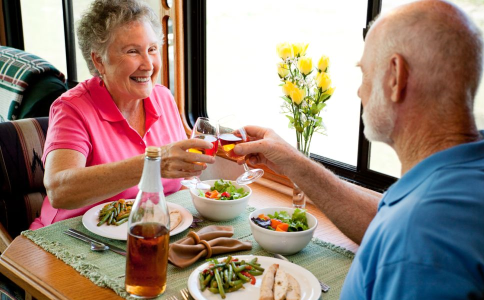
267	148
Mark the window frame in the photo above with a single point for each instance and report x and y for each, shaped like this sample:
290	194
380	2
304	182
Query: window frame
193	102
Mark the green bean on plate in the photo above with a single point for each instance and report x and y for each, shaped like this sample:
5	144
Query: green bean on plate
229	275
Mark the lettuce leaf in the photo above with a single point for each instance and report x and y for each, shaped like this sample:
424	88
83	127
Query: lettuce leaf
298	221
227	186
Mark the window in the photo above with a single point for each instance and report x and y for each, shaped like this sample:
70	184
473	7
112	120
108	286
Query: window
79	6
44	36
239	43
241	64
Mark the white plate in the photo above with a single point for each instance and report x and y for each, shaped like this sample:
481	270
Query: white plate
91	218
310	288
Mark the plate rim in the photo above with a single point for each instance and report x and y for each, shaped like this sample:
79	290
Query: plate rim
186	221
192	281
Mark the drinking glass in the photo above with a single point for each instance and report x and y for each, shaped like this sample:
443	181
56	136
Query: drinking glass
203	129
231	133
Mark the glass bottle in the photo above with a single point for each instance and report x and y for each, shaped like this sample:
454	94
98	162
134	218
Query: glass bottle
148	233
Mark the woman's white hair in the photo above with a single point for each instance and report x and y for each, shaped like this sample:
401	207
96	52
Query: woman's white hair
98	23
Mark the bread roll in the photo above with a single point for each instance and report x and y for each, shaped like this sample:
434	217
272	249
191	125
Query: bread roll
268	283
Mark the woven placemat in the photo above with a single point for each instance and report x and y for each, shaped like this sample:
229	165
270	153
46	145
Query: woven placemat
327	262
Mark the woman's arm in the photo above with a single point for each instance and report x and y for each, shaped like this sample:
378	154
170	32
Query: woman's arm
70	184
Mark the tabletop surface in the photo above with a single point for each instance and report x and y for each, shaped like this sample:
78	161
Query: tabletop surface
46	277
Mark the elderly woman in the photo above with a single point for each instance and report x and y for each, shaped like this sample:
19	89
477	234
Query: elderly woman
98	131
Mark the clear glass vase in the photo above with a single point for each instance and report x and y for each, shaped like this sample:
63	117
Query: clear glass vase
298	196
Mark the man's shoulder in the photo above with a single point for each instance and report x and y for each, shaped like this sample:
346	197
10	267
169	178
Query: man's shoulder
461	182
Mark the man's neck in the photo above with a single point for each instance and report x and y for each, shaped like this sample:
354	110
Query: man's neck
415	144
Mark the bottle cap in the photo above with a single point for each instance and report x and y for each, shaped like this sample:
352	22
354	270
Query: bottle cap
153	152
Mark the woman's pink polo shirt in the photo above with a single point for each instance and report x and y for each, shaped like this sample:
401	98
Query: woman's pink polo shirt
87	120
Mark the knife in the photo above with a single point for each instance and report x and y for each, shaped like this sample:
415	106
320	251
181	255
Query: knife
111	247
324	287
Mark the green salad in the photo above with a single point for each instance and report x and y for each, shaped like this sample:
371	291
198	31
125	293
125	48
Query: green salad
298	221
224	190
281	221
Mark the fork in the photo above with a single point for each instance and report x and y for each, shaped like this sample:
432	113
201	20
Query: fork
172	298
186	294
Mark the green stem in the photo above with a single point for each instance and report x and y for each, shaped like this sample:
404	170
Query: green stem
290	71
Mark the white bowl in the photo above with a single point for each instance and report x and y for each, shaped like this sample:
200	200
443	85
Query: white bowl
285	243
220	210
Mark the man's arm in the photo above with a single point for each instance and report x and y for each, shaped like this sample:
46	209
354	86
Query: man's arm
348	207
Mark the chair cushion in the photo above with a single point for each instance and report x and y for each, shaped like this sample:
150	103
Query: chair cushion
21	172
28	84
10	291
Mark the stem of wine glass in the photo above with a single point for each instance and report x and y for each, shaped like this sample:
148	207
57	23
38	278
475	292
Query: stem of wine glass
200	185
246	167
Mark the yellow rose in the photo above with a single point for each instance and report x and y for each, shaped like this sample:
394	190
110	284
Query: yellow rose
282	69
288	87
305	65
323	81
323	63
297	95
299	49
284	50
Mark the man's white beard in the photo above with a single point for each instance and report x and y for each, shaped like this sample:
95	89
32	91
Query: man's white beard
378	115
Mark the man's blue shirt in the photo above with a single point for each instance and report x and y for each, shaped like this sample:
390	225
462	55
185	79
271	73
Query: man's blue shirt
427	239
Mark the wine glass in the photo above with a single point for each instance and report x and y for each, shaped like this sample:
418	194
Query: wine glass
203	129
231	133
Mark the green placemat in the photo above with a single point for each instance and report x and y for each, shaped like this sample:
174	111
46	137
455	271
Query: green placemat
327	262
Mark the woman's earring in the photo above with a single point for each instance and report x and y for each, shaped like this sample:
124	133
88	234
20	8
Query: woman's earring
102	80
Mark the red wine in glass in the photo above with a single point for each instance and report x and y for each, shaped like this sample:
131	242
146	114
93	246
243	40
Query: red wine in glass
203	129
228	142
231	133
209	138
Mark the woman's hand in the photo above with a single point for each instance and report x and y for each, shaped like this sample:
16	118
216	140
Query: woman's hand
177	162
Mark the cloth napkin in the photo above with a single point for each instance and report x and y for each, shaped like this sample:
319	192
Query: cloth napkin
208	241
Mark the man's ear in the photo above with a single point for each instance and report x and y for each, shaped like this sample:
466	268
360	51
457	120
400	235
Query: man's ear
398	78
98	62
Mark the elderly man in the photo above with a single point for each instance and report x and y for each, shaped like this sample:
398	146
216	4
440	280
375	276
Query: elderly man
424	239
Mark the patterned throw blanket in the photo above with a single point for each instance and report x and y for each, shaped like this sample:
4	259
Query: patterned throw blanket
18	70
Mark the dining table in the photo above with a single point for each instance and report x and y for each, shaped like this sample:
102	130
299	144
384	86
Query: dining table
46	269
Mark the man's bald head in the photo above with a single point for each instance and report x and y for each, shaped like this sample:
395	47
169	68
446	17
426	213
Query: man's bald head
442	47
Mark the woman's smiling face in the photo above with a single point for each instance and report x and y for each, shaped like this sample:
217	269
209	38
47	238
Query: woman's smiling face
133	62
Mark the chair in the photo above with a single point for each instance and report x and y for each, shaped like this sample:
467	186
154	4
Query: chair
28	85
22	189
